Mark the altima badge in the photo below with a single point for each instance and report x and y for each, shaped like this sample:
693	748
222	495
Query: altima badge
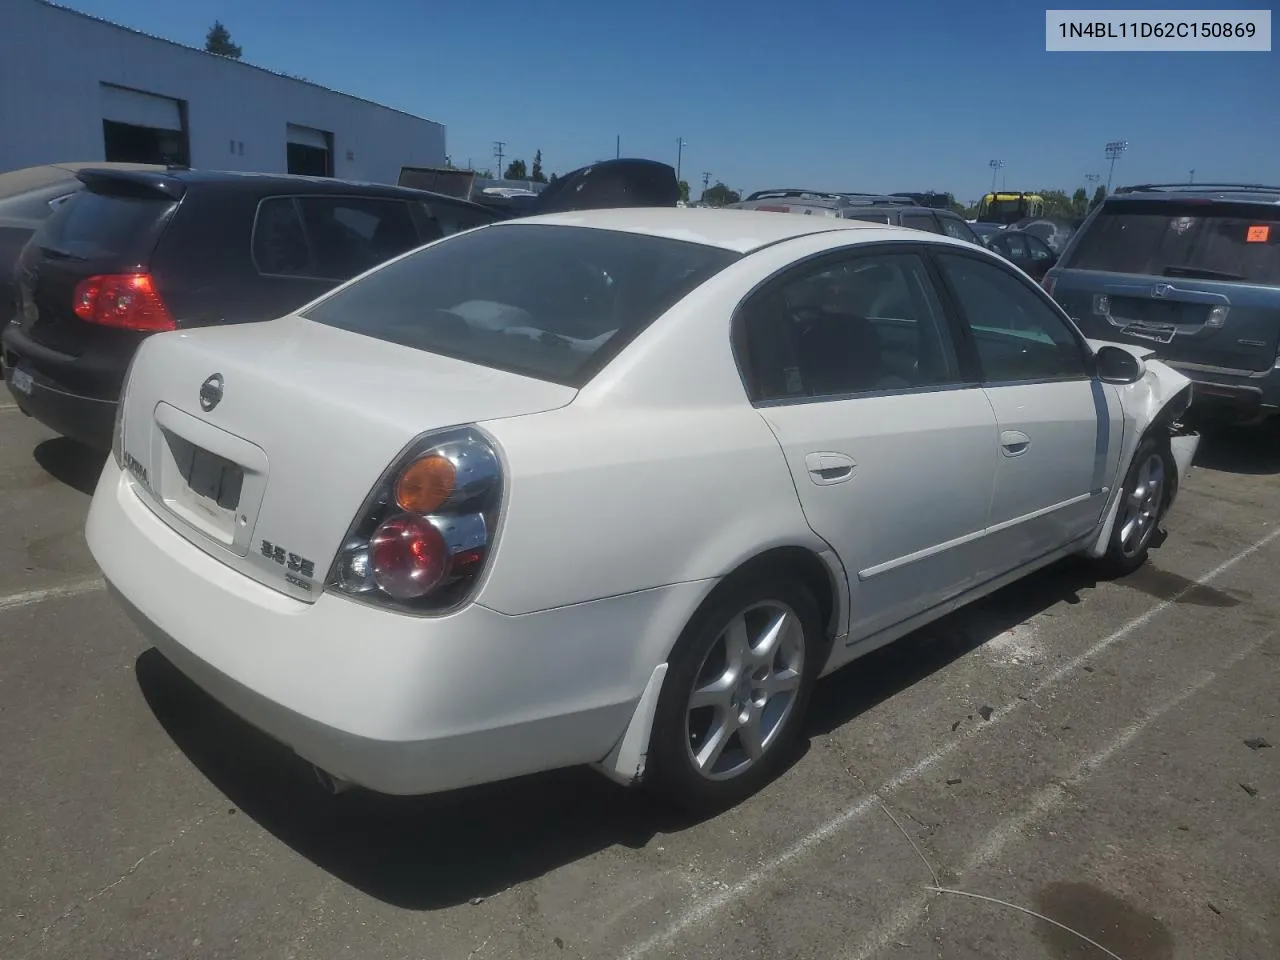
211	392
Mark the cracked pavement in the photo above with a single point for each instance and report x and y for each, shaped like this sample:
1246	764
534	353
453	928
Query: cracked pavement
1072	748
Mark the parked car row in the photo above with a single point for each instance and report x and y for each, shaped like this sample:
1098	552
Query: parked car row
422	526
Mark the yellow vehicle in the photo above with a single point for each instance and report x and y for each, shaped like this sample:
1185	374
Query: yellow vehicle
1009	207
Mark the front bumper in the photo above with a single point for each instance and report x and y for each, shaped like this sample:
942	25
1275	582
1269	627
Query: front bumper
396	703
1183	444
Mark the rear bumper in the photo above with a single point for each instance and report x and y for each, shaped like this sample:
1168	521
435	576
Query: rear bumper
87	419
1234	393
399	704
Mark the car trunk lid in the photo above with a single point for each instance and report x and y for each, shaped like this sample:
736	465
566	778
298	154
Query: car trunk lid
259	443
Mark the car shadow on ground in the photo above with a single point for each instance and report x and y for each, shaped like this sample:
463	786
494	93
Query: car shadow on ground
430	852
70	463
1243	450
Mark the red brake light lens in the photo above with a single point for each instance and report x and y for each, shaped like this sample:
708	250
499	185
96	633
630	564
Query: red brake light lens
408	556
128	301
424	534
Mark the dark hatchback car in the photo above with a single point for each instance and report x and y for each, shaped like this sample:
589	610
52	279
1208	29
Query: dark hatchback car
135	253
1025	250
1192	272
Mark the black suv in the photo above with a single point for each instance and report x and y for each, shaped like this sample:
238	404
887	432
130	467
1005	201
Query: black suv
1191	271
135	253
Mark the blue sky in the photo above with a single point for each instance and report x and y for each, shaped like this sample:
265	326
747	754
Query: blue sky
906	95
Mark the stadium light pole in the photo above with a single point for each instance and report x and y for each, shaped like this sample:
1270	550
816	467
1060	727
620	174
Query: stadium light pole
681	143
996	166
1114	149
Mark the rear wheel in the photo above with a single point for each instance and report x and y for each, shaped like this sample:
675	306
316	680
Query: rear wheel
736	693
1143	500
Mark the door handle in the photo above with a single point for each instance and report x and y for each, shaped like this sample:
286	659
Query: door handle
826	468
1014	443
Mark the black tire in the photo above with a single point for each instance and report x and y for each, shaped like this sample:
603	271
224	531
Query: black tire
1127	550
672	771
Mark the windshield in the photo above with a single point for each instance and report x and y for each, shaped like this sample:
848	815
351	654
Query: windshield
1206	241
551	302
1002	211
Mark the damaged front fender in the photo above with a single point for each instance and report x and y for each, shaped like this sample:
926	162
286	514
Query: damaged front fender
1156	402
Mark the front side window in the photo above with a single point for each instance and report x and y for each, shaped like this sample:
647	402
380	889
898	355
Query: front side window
553	302
1017	335
862	324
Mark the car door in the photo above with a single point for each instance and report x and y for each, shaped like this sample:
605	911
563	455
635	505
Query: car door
1059	427
852	362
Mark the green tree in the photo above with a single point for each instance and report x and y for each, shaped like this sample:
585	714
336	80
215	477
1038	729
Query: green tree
218	40
1057	204
684	190
536	174
554	178
1098	196
720	195
1080	202
516	171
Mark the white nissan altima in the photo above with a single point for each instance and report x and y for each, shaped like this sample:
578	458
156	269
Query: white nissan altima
613	488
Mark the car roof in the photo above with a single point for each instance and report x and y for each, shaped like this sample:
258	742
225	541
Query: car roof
1227	192
264	183
741	231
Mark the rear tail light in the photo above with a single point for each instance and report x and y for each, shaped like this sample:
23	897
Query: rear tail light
126	300
424	534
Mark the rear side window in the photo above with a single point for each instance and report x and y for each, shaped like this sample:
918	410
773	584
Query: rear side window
551	302
1209	241
955	227
920	221
330	238
443	218
96	225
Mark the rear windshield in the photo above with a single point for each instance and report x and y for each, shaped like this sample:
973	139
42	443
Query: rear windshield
94	225
551	302
1210	241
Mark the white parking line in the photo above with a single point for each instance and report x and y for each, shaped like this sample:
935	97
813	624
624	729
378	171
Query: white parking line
27	597
1045	802
719	899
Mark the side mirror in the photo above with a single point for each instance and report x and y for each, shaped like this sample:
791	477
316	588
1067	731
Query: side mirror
1117	365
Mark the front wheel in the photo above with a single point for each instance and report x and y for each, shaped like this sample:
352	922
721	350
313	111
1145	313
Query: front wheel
1143	501
736	693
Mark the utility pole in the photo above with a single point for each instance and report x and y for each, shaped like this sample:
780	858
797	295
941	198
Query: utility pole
497	152
680	145
1114	149
1193	175
617	150
996	166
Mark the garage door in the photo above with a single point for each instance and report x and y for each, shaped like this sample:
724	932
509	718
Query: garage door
140	109
308	151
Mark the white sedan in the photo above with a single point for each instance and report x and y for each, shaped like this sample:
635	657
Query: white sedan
613	488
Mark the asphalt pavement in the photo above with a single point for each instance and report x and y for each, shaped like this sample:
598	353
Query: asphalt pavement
1069	770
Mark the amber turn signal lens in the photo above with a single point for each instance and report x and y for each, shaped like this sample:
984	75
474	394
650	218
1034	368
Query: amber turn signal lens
425	484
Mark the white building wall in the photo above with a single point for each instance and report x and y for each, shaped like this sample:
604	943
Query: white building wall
53	62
